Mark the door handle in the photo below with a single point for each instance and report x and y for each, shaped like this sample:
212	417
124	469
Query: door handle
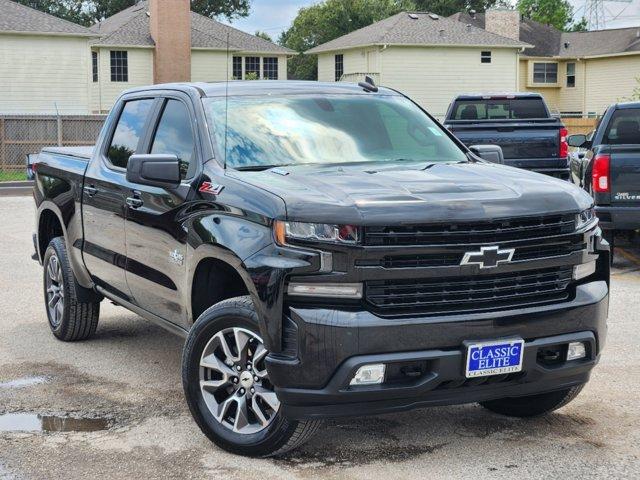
134	202
91	190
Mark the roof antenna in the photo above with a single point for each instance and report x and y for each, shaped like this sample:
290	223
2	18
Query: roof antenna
369	85
226	106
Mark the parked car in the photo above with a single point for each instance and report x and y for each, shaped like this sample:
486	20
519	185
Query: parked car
520	123
327	250
608	167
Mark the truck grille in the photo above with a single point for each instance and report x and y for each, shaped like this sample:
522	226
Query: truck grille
470	294
494	232
452	256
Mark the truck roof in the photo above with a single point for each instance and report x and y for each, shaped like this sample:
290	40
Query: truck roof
264	87
623	105
497	96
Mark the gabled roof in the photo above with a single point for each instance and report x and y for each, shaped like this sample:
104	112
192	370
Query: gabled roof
15	17
131	27
548	41
419	28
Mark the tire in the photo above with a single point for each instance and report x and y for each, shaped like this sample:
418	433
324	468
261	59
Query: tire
69	319
212	389
533	405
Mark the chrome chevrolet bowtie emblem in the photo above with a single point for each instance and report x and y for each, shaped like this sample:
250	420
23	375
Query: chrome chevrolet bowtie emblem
488	257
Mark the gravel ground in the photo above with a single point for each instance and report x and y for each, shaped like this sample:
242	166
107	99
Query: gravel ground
129	374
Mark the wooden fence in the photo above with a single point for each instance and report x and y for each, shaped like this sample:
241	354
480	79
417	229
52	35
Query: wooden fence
580	125
24	134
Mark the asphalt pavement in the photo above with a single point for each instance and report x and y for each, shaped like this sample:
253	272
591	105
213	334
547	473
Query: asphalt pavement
112	407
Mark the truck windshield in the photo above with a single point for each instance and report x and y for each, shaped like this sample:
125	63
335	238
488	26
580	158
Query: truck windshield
624	127
326	129
499	109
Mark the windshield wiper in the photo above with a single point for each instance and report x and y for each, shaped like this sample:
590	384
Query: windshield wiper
260	168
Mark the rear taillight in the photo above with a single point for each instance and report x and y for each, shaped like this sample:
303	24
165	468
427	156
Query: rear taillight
564	146
600	175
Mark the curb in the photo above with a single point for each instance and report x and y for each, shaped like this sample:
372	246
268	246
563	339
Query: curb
10	189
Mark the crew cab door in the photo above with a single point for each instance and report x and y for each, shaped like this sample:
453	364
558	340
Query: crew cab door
105	192
156	228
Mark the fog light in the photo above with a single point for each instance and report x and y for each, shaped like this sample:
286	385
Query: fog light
369	374
576	351
584	270
341	290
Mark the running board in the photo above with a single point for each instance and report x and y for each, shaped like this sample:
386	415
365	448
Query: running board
159	321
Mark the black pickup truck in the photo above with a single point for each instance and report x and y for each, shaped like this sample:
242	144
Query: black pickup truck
326	250
520	123
608	167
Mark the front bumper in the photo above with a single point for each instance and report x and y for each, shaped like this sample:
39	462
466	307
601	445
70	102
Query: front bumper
332	344
618	218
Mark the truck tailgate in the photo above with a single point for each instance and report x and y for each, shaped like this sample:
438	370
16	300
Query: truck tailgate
518	141
625	175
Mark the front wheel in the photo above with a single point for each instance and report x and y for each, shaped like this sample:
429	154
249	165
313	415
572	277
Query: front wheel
227	386
533	405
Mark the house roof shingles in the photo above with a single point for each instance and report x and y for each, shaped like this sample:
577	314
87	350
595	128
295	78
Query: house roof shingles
131	27
15	17
550	42
417	29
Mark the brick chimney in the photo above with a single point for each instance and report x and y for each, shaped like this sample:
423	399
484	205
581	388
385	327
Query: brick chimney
503	21
171	31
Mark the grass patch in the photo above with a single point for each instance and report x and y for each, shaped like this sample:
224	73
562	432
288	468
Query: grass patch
12	176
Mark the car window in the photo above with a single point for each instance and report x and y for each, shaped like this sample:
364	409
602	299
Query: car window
326	129
499	109
624	127
174	136
126	137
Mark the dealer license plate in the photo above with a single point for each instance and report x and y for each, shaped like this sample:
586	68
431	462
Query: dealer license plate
494	358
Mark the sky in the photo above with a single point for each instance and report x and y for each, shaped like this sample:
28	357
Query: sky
274	16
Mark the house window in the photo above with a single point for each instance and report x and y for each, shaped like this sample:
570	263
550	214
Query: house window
237	68
252	67
571	75
485	57
119	66
94	65
545	73
339	67
270	68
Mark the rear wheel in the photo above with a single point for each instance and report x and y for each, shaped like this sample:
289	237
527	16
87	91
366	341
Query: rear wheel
69	319
227	385
533	405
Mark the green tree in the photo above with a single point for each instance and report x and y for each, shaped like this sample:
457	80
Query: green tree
557	13
579	26
88	12
263	35
449	7
331	19
71	10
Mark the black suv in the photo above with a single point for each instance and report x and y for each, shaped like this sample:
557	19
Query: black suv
327	250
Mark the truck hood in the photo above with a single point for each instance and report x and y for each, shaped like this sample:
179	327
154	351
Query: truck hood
369	194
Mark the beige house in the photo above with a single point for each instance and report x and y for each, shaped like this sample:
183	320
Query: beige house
49	65
430	58
579	73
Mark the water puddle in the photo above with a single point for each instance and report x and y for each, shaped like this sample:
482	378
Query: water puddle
23	382
31	422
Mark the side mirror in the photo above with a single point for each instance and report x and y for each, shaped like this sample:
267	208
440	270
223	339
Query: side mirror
577	141
490	153
154	170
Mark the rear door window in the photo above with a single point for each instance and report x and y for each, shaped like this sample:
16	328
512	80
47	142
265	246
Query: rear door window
174	136
624	127
499	109
129	130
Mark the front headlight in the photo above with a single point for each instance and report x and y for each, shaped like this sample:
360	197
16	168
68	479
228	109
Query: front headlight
315	232
585	217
